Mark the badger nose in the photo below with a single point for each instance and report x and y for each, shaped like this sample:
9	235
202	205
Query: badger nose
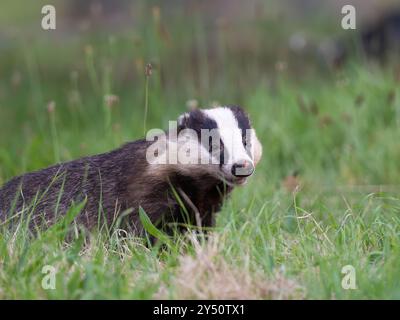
242	168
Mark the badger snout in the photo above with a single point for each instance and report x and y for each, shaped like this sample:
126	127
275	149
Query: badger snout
242	169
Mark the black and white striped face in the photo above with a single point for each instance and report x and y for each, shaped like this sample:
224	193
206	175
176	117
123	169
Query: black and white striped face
225	133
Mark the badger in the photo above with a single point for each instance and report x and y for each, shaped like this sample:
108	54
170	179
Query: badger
178	178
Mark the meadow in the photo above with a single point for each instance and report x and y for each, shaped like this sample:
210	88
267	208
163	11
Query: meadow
325	194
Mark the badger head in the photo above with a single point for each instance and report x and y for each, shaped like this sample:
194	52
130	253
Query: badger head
227	144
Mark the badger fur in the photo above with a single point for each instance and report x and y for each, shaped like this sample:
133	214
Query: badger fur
119	182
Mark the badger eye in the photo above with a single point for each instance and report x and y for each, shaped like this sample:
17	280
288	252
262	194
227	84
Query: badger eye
222	153
215	149
210	146
247	145
244	140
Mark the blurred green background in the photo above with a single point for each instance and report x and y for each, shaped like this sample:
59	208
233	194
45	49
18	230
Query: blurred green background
324	101
210	51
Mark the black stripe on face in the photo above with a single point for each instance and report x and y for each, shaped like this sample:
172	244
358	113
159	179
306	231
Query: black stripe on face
215	146
243	123
222	154
241	117
197	120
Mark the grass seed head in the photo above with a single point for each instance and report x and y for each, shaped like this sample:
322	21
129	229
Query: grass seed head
148	70
111	100
51	107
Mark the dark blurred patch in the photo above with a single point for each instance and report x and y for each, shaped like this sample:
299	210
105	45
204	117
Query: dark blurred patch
378	41
382	39
79	9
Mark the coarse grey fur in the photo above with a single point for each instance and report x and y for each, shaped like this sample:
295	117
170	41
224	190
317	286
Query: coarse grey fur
113	183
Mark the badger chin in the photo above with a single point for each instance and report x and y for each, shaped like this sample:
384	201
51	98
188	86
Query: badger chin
240	181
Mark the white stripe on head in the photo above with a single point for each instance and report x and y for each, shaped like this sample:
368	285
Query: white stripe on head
230	134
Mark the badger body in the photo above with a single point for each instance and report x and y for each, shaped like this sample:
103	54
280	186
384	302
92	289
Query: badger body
116	184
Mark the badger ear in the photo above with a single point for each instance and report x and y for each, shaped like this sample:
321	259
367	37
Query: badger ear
182	121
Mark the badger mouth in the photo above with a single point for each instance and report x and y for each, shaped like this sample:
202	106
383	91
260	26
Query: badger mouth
239	180
232	181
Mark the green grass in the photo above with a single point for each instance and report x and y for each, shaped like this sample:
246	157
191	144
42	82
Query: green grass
339	132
